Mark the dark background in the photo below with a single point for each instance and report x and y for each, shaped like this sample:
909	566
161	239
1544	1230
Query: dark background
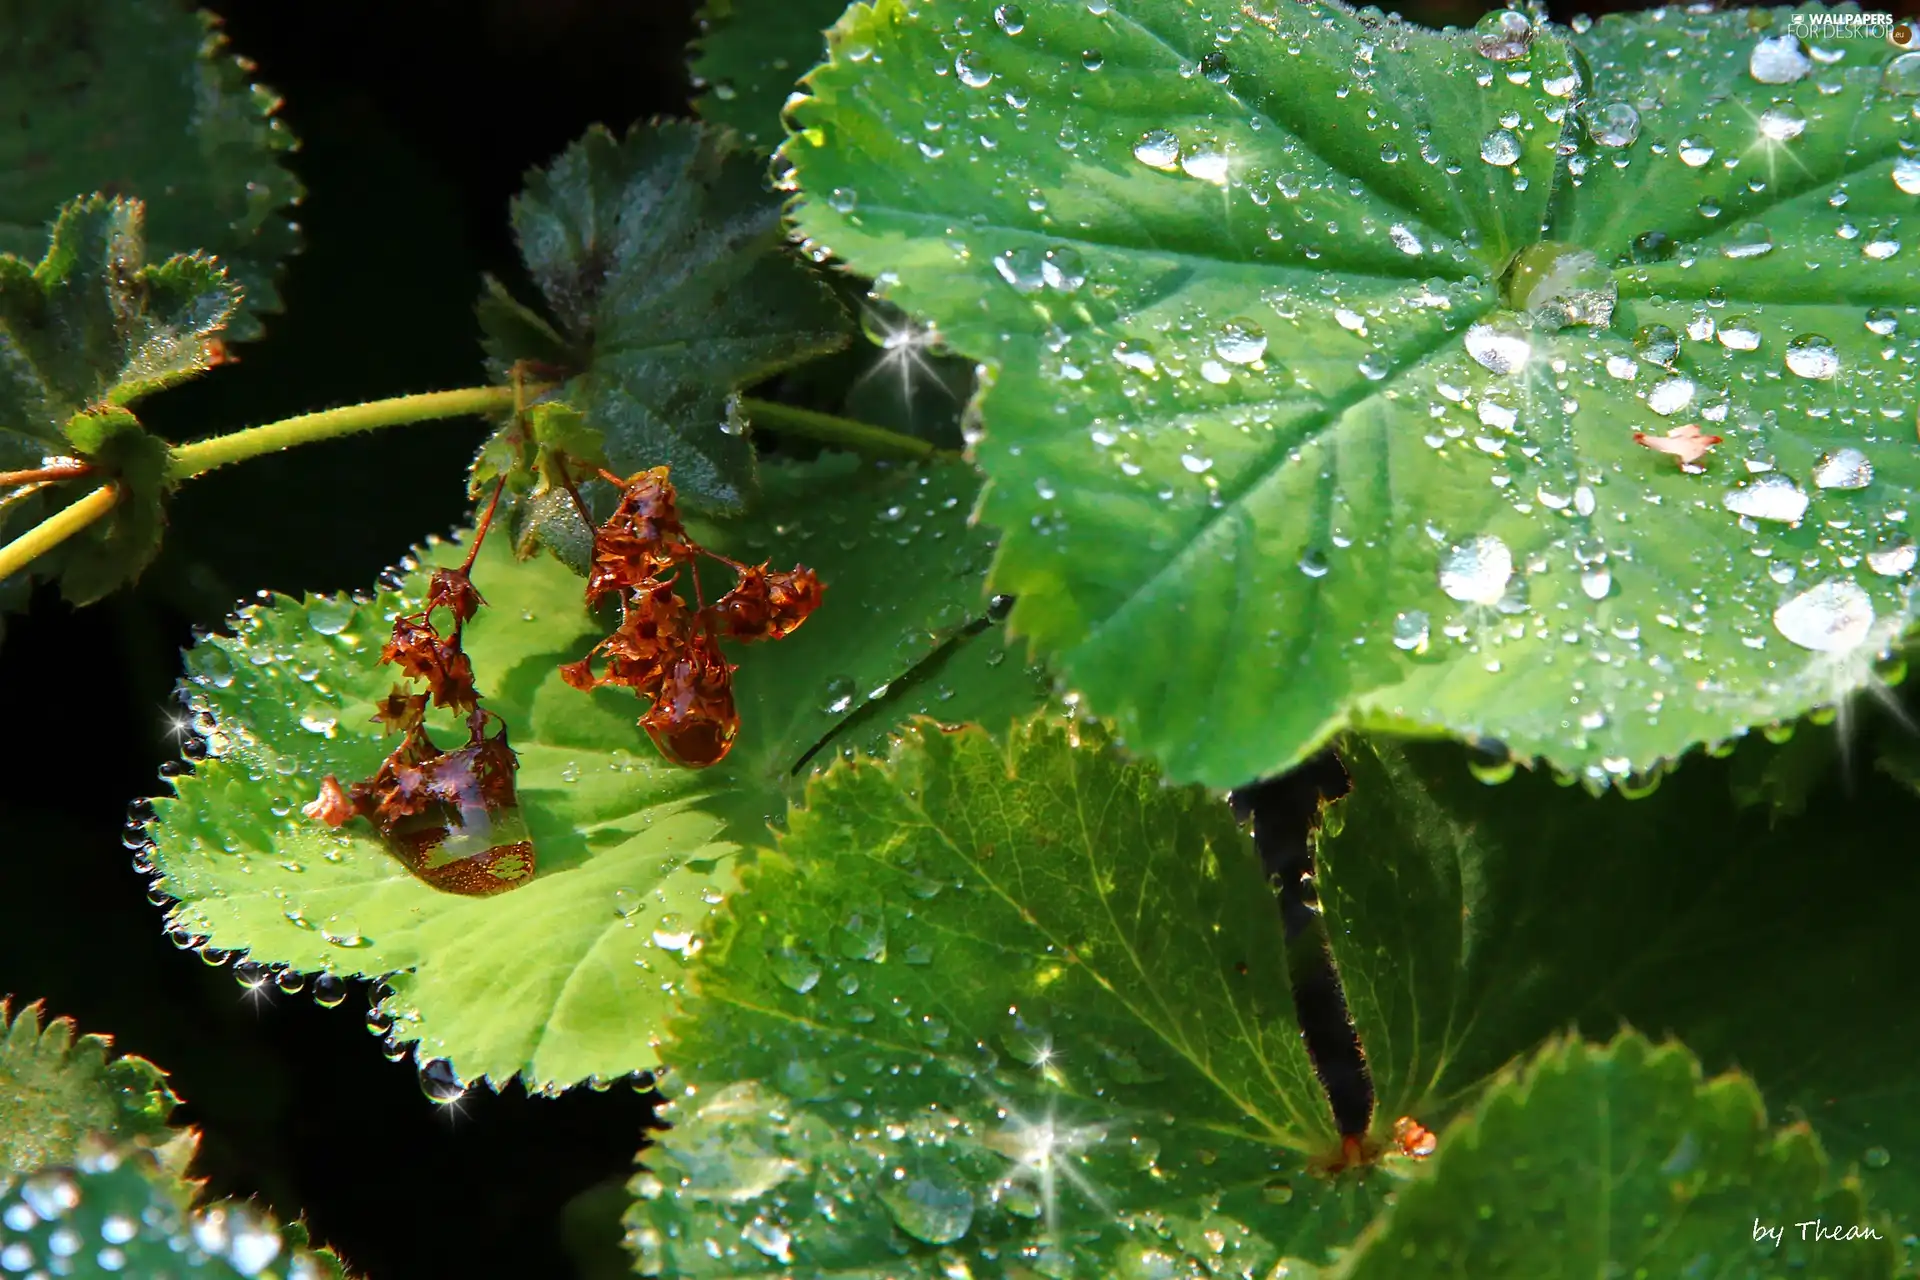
418	120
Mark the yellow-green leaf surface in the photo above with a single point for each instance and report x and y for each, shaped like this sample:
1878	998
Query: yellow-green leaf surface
1319	344
59	1090
569	976
1619	1160
143	99
992	1002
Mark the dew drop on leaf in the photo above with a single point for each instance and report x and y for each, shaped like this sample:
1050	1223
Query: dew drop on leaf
1240	342
1782	123
330	615
1503	35
1902	75
1158	149
1694	152
1500	147
797	971
1877	1158
1410	630
1892	562
1477	572
440	1083
1770	497
1011	18
1844	469
1613	124
1497	350
1832	617
1812	356
329	990
1738	333
933	1206
1778	60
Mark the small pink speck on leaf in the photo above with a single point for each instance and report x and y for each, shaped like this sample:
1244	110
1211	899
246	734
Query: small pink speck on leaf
1685	443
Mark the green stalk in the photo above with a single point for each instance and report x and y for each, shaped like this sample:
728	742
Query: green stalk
861	437
202	456
56	529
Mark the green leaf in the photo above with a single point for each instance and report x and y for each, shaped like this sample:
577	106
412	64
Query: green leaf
661	260
1620	1160
141	98
1254	290
750	56
58	1091
1468	923
566	977
991	1002
132	1213
89	330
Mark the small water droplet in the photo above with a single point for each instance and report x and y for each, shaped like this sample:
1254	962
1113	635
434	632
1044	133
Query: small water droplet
1782	123
329	990
1500	147
1844	469
1411	630
796	969
1240	342
1877	1158
1011	18
972	69
1158	149
1694	152
1612	124
933	1205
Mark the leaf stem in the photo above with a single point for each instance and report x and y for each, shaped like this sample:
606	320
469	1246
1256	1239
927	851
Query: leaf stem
827	428
44	475
202	456
56	529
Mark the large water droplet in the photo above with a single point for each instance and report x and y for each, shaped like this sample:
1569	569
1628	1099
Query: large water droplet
1240	342
1613	124
1158	149
1503	35
1738	333
932	1205
1906	174
1782	123
1670	395
440	1082
1694	152
797	970
1207	164
972	69
1813	356
1892	562
1500	147
1778	60
1749	241
1902	75
1770	497
1478	571
330	615
1844	469
1011	18
1833	617
1497	350
1023	268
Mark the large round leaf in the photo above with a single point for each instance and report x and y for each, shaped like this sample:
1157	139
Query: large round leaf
568	976
1320	344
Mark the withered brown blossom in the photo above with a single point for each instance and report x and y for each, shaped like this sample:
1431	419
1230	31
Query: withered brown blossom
664	650
452	817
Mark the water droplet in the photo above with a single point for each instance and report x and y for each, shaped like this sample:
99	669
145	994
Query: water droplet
1206	164
1062	269
626	902
933	1205
1411	630
1158	149
1023	268
1876	1158
1833	617
1497	350
1738	333
1240	342
1670	395
1612	124
1892	562
1694	152
1215	66
1902	75
330	615
1277	1192
1596	582
343	931
840	693
1883	322
843	199
972	69
1782	123
862	935
1478	571
1770	497
1749	241
1844	469
1813	356
796	969
329	990
1011	18
440	1082
1906	174
1503	35
1500	147
1404	240
1778	60
1198	464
